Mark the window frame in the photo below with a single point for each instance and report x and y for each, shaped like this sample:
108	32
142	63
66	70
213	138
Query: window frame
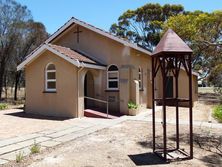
50	80
112	80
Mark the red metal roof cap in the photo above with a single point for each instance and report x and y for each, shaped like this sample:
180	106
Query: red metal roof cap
171	43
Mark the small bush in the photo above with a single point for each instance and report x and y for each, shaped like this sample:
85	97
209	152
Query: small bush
35	148
3	106
132	105
19	157
217	113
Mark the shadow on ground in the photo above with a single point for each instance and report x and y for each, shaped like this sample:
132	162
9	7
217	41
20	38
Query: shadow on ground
203	141
34	116
212	160
146	159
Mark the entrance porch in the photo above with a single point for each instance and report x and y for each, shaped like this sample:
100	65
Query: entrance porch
92	98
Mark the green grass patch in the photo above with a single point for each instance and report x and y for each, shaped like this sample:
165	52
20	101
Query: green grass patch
19	157
3	106
217	113
35	148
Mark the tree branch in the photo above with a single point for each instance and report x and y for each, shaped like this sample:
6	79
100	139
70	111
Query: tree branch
210	43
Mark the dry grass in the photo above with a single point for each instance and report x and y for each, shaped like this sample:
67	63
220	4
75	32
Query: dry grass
9	93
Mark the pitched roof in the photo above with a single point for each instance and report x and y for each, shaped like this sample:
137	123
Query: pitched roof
97	30
73	54
69	55
171	43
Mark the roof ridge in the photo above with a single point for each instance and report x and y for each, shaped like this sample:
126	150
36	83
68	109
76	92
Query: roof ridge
125	39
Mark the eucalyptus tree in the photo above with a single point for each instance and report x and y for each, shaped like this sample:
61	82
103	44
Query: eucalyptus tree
19	35
203	32
31	35
11	15
144	25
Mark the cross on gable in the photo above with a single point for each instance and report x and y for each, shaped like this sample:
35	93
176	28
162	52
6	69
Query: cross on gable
77	32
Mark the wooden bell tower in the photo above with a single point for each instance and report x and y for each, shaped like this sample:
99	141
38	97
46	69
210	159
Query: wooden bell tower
170	55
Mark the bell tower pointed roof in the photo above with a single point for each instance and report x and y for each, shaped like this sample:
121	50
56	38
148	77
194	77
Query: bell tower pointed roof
171	43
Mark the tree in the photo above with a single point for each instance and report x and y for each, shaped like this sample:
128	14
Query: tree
31	35
19	35
216	78
144	25
11	15
203	32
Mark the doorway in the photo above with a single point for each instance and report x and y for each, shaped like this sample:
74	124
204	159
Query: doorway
88	90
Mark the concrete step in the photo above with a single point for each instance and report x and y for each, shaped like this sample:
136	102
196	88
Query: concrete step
97	114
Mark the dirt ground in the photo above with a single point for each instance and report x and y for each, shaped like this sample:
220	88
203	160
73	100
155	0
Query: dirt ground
15	122
202	110
29	123
127	145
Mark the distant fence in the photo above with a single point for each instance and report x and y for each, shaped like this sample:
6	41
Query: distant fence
206	90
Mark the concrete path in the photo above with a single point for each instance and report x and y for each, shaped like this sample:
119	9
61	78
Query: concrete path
11	147
147	117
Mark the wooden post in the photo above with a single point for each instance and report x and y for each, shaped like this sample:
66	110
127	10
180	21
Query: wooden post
190	106
164	109
177	105
153	104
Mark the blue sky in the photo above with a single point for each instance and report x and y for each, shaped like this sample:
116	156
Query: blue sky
101	13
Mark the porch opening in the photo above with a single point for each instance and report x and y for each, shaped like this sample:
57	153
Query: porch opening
93	107
89	90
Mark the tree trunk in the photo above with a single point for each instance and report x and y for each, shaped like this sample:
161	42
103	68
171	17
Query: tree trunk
2	72
1	85
17	79
6	86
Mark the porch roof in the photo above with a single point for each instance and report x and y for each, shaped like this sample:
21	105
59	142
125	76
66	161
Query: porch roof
74	57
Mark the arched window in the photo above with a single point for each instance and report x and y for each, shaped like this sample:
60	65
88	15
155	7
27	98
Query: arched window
113	78
140	78
50	78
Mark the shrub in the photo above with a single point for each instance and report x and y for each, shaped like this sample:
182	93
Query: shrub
217	113
132	105
3	106
35	148
19	157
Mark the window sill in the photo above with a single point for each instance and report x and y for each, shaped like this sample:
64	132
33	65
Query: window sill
49	91
110	90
